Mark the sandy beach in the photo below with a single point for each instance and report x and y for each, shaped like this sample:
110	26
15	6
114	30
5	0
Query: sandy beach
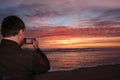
105	72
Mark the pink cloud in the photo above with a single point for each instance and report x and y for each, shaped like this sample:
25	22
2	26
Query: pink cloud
62	31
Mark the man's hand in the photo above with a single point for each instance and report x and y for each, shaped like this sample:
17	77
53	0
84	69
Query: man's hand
35	44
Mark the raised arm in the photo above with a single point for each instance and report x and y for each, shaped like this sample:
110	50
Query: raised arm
40	61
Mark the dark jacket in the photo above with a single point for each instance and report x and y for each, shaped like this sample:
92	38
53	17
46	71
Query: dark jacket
20	64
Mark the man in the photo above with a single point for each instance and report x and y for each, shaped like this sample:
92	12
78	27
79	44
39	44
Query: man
17	63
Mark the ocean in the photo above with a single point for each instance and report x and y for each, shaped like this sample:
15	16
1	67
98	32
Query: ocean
68	59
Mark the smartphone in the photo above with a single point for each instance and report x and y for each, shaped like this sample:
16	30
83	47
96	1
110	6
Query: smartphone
29	40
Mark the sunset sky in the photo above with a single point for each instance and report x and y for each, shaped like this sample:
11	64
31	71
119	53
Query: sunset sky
68	23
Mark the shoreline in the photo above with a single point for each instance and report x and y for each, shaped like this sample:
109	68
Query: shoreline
92	66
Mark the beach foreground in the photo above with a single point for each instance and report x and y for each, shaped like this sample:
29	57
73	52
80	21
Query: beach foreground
105	72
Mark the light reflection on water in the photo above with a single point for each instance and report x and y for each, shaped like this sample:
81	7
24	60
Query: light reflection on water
70	60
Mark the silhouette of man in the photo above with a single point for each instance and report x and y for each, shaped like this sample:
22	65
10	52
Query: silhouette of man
17	63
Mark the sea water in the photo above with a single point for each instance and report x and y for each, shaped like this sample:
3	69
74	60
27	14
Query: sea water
67	60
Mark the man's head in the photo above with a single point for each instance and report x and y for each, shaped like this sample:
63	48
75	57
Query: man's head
13	26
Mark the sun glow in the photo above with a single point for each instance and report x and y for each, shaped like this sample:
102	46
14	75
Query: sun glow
68	41
81	42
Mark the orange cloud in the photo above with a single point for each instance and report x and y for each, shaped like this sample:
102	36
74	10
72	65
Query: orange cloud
80	42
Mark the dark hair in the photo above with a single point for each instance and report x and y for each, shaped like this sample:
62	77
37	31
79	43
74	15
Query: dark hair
11	26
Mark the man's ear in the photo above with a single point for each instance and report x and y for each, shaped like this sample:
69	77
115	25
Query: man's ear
20	36
21	32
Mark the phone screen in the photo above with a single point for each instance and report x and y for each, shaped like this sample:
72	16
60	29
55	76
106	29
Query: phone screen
28	40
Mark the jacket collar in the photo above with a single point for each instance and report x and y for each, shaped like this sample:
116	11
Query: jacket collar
9	42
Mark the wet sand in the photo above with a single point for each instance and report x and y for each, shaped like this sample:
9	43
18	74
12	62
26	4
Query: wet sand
106	72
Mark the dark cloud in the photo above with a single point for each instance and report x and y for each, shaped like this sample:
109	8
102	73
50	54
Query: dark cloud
41	14
107	18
